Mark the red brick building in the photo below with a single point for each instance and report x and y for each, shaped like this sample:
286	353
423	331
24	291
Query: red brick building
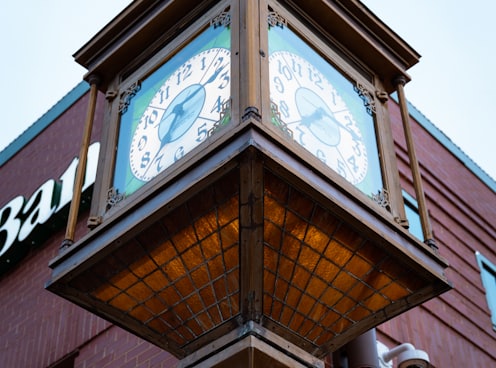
39	329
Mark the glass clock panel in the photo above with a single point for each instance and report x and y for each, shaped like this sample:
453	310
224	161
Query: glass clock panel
323	110
173	110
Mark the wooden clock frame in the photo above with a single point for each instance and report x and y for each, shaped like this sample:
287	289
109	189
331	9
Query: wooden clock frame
252	159
251	102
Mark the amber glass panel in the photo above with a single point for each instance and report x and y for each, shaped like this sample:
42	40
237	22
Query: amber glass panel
180	276
321	275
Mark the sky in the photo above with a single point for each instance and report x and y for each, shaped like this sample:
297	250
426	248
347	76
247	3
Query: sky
453	85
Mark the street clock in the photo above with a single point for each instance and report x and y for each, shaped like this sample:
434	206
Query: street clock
247	199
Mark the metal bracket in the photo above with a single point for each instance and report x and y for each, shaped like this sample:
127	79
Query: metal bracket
277	120
382	198
225	118
127	95
221	20
113	197
251	112
367	97
275	20
94	221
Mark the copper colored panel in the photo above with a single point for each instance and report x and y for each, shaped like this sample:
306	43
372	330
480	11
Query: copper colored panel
309	272
179	277
321	274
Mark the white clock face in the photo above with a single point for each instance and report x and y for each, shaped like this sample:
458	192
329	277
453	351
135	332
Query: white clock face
319	118
181	113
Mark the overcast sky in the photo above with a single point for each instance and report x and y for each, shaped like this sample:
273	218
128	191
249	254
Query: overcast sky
453	85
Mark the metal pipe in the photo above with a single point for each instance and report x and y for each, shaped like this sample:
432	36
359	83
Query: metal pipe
362	351
394	352
339	359
81	168
414	166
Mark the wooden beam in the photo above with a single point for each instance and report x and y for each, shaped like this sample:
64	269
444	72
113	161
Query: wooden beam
81	169
414	166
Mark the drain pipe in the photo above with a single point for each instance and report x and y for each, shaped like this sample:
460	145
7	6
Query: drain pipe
358	353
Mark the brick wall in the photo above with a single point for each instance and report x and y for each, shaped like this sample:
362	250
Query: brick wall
455	328
38	328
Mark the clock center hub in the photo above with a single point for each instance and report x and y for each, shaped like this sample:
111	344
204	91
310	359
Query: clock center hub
181	113
316	115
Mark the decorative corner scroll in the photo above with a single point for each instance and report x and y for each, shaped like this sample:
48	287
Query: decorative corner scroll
277	120
127	95
382	198
275	20
367	97
221	20
225	118
113	197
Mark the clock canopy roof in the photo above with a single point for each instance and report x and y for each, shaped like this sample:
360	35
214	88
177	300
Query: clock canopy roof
146	26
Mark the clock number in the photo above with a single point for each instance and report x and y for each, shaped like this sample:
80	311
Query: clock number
321	155
203	63
284	108
315	77
217	105
349	123
202	132
157	160
300	136
225	80
184	74
151	119
352	161
279	85
142	142
318	81
162	91
145	160
218	62
179	153
284	70
296	67
333	98
356	148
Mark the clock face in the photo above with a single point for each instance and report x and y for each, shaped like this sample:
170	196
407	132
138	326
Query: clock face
323	110
319	118
181	113
173	110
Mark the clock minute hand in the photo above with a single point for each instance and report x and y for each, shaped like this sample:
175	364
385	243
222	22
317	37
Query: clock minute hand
178	109
215	74
331	116
321	111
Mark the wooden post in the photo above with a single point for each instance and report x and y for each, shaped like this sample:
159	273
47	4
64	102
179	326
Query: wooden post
81	169
251	223
249	40
414	166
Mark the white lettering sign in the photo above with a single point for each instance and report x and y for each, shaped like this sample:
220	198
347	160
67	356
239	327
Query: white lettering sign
20	219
